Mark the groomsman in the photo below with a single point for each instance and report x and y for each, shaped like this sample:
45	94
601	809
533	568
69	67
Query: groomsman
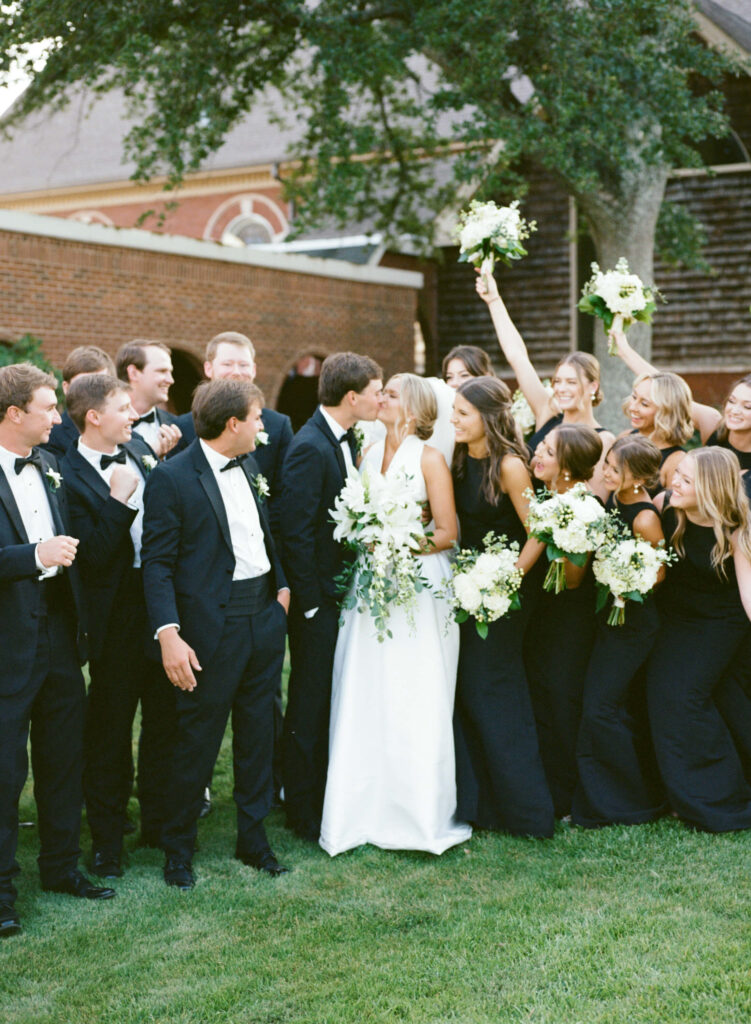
105	474
146	366
84	359
42	647
232	356
314	471
217	600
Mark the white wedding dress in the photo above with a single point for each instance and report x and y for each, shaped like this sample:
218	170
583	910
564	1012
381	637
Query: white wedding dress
391	779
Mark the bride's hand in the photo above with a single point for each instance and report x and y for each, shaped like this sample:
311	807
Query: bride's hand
486	286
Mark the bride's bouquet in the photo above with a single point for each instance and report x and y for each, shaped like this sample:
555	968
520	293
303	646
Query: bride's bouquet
570	525
521	410
380	519
487	233
618	294
626	567
484	584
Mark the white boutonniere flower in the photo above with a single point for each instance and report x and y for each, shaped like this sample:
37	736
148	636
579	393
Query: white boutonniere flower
54	479
262	438
149	462
359	438
261	485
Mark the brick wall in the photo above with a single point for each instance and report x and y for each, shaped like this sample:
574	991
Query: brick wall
70	293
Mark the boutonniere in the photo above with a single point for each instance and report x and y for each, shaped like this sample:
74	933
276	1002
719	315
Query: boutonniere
149	462
261	485
359	436
262	438
54	479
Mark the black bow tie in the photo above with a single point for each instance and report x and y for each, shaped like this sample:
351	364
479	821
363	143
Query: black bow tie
35	459
107	460
348	437
233	463
150	417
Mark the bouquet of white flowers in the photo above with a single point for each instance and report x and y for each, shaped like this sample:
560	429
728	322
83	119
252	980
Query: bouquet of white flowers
626	567
521	410
484	584
571	525
380	519
487	233
618	293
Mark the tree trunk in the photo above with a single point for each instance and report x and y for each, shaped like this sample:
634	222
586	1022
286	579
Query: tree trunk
624	227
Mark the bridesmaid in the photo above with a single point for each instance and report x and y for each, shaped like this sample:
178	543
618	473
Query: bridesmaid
558	650
662	408
706	606
576	381
500	778
618	783
734	430
464	362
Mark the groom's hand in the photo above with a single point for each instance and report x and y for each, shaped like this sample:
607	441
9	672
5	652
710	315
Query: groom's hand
179	659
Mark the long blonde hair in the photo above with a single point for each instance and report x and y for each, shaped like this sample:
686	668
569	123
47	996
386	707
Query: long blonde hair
720	498
417	401
672	398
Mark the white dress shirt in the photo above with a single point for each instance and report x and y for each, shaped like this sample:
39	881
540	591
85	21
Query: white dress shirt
149	431
246	533
29	489
339	431
135	501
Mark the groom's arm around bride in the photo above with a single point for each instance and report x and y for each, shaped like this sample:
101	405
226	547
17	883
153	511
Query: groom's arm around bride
315	468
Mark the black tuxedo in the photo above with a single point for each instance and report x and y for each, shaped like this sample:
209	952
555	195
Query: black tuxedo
162	417
188	563
62	436
121	672
43	642
313	475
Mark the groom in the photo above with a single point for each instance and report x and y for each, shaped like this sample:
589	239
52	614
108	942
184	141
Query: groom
317	463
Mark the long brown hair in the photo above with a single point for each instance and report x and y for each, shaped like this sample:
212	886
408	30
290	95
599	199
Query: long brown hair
492	399
720	498
476	360
722	430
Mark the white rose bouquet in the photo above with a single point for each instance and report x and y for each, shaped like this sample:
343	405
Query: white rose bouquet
380	519
618	294
487	233
571	525
484	584
521	410
626	567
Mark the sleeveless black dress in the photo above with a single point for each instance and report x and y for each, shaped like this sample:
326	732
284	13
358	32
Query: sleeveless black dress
743	457
556	655
500	778
703	625
618	778
544	430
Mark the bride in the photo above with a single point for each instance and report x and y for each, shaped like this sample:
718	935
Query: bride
391	779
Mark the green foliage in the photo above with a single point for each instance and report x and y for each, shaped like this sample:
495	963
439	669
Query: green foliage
384	90
28	349
680	238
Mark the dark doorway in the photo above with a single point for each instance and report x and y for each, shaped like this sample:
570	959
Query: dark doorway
298	396
187	370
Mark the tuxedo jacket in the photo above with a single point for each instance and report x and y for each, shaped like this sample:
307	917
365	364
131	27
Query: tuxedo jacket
312	477
270	457
20	589
62	436
186	552
102	525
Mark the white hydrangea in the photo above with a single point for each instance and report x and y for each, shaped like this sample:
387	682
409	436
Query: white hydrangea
467	592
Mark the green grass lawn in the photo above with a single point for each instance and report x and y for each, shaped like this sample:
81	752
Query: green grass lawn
648	924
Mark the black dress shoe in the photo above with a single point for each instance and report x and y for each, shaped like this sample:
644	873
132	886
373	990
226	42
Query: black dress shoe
106	865
205	804
179	873
10	922
75	883
263	860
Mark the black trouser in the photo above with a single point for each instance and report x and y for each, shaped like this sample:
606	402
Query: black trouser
120	677
312	643
241	678
52	703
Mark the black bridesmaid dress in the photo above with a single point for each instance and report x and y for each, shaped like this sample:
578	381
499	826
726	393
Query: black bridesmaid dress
500	778
618	778
702	629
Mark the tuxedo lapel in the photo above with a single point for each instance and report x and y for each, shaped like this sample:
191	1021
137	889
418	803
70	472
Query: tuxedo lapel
9	502
52	497
248	467
87	473
137	448
325	429
210	486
